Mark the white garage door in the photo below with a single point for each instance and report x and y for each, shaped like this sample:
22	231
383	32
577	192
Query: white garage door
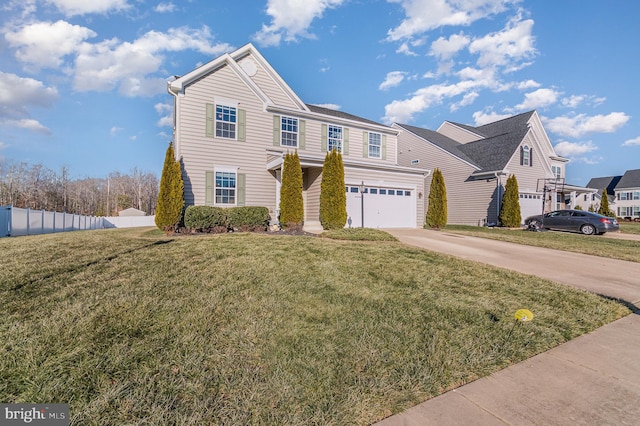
384	207
530	205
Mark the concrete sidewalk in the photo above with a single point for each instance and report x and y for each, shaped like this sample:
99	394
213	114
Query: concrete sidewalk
591	380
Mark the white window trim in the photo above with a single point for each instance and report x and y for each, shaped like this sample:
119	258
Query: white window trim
369	145
217	103
282	118
341	143
225	169
526	155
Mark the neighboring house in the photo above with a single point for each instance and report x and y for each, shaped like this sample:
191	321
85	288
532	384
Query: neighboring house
627	195
131	212
607	183
235	119
476	161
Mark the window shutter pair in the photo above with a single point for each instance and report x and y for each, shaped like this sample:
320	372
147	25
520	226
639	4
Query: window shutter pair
210	189
241	124
324	139
365	146
277	129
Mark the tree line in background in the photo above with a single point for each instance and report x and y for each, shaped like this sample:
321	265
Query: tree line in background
37	187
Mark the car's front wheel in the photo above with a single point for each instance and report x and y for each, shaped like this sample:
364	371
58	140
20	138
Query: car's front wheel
588	229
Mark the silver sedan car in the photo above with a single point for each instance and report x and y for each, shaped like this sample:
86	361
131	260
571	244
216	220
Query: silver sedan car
574	220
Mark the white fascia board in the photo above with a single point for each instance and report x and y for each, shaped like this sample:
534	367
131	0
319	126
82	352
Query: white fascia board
332	119
249	48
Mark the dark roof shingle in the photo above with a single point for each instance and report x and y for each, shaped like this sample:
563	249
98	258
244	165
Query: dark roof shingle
630	179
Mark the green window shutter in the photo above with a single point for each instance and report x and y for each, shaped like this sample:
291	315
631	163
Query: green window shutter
209	191
302	130
276	130
345	141
242	125
240	189
384	147
323	137
210	120
365	144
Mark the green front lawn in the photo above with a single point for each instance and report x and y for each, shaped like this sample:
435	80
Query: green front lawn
596	245
131	327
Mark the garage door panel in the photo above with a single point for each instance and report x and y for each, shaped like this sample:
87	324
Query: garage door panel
384	207
530	205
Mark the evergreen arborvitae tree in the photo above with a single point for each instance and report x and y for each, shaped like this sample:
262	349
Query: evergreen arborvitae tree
291	204
604	204
333	198
171	195
437	210
510	215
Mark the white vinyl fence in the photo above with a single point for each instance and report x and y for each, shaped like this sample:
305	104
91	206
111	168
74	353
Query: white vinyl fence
19	222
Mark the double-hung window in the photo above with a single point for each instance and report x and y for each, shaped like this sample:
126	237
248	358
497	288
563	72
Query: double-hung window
375	144
225	187
289	131
226	118
334	138
525	156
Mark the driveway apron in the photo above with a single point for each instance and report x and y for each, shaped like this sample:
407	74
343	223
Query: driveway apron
594	379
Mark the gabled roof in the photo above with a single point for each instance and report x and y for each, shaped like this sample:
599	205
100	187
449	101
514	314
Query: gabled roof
340	114
440	141
500	140
630	179
608	182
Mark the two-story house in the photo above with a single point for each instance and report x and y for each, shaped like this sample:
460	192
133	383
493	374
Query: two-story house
627	195
476	162
234	120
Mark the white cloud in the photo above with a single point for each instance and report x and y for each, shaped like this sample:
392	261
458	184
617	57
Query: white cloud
481	117
529	84
166	7
425	15
83	7
165	110
573	101
291	19
467	99
127	66
574	149
28	124
18	95
581	124
444	49
405	50
632	142
507	48
44	44
115	130
392	79
538	99
334	107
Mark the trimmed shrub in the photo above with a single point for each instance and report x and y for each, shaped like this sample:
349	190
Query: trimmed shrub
604	205
437	209
248	218
206	219
171	196
333	198
291	204
510	215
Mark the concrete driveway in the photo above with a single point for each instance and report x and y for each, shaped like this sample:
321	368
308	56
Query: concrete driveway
594	379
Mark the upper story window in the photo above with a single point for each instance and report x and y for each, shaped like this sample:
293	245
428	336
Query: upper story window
289	131
526	155
226	118
334	138
557	171
375	145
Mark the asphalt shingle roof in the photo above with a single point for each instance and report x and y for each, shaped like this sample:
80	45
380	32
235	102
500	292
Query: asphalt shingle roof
500	141
630	179
340	114
600	183
441	141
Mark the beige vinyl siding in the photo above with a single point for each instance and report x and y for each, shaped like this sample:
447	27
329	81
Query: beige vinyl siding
200	154
457	133
469	202
264	81
528	176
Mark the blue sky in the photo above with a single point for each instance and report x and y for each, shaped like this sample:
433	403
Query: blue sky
83	83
